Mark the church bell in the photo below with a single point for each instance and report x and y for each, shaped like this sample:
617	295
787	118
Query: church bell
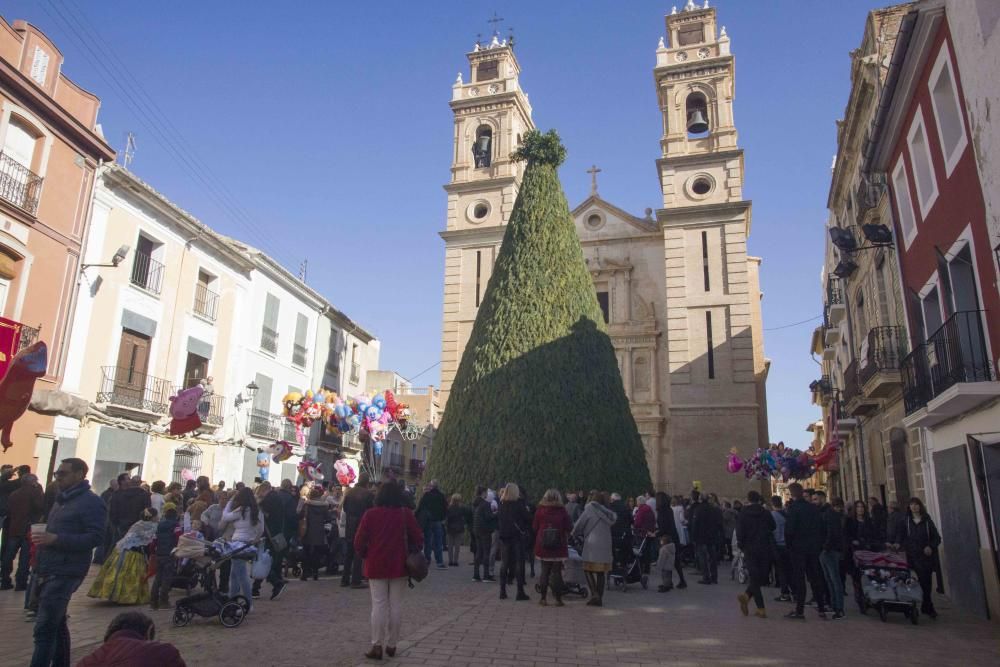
696	122
483	145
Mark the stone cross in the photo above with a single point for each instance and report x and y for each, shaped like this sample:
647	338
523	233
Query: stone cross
593	171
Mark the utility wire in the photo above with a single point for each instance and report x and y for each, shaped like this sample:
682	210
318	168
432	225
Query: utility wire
794	324
436	363
145	109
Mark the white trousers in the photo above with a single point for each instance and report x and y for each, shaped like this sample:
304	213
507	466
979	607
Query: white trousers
387	609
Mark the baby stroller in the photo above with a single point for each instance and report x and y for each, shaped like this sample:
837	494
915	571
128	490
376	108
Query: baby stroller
207	557
739	572
574	581
886	584
630	570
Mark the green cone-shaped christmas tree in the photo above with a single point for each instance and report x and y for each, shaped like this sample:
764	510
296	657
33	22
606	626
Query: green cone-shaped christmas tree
538	398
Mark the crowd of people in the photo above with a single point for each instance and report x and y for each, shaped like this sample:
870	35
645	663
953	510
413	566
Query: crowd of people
367	533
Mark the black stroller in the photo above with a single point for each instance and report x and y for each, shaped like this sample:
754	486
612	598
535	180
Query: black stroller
207	557
629	567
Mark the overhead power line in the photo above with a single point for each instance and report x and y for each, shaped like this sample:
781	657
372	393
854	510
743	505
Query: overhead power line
794	324
110	67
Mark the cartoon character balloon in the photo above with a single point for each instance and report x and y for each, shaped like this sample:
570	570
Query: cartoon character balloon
345	472
280	451
311	470
734	463
184	417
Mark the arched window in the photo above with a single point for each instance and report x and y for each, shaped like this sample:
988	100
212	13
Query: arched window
696	108
482	149
186	457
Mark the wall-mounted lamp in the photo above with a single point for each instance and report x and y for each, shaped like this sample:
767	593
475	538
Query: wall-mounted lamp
117	259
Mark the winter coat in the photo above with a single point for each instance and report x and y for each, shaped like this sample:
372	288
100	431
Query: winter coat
166	536
127	648
779	527
594	526
706	524
433	506
8	485
644	521
914	537
77	519
274	512
24	507
804	527
244	529
574	509
551	516
755	530
833	523
514	520
729	516
665	525
879	518
127	505
894	522
866	533
457	519
680	521
316	514
624	521
484	520
357	501
382	538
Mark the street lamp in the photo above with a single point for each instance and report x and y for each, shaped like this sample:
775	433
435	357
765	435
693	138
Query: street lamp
117	259
252	390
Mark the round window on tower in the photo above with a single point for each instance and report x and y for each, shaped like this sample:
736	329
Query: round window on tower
478	211
700	186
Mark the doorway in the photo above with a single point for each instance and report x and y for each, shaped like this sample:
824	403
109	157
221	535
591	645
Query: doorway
133	364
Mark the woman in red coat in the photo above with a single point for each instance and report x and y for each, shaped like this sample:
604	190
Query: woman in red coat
382	539
552	527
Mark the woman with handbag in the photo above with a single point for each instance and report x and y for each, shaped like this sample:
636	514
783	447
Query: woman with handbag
551	527
515	522
387	534
314	514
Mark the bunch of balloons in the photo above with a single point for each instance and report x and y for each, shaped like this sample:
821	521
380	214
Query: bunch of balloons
345	473
775	461
371	416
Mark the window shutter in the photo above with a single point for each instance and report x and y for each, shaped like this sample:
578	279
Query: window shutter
271	312
301	326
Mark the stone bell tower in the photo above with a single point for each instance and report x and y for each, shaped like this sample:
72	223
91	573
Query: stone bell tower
492	113
717	367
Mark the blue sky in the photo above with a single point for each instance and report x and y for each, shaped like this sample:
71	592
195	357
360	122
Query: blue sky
329	124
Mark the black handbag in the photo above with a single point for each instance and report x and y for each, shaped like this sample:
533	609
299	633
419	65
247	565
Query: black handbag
416	563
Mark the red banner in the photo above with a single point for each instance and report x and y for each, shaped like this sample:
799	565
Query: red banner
10	340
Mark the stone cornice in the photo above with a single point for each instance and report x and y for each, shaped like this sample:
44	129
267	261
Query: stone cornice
698	158
463	237
485	184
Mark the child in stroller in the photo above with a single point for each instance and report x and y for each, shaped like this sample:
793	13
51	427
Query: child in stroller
633	565
206	558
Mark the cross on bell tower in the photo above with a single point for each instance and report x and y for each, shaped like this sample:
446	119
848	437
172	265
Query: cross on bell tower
593	171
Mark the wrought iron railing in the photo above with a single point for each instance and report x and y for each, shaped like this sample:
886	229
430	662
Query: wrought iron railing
269	339
355	372
916	379
212	409
834	294
299	355
19	185
147	273
959	352
885	351
392	461
206	302
288	430
852	387
416	467
266	425
126	387
28	336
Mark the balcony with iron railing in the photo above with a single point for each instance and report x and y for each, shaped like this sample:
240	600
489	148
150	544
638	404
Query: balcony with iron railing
147	273
269	339
212	409
299	353
951	373
267	425
206	302
19	185
835	307
879	372
136	394
393	461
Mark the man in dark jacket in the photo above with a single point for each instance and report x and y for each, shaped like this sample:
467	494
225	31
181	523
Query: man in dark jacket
10	481
706	533
25	507
275	519
804	537
832	554
127	505
75	527
357	501
755	538
433	509
484	523
621	530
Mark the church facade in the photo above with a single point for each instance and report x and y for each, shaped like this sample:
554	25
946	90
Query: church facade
680	295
